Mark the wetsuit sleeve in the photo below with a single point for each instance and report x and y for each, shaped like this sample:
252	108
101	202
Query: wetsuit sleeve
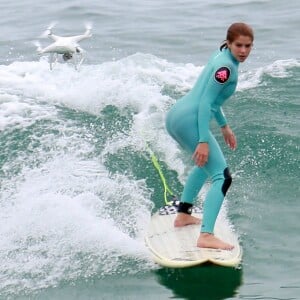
220	117
208	98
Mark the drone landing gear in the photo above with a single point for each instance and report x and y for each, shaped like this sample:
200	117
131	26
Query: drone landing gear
76	58
53	58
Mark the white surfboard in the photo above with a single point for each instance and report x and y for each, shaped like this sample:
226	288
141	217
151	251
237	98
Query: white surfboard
175	247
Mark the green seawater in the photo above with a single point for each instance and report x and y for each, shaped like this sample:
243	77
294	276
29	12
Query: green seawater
77	184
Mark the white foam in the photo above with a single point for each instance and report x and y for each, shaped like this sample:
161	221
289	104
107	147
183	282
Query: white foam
136	81
280	68
69	218
30	91
64	216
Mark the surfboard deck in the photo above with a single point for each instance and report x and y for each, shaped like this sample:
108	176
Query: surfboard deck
175	247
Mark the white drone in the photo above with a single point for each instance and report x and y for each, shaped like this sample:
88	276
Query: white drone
67	46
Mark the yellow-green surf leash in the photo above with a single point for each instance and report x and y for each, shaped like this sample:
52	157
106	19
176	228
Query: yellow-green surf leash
167	190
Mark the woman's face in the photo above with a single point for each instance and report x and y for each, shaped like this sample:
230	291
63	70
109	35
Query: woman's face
241	47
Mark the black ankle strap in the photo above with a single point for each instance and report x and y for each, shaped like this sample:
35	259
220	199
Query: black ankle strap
185	208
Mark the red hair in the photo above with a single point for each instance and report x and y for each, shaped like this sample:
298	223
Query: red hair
235	30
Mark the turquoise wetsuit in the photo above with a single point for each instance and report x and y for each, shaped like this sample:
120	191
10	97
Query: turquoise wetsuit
188	123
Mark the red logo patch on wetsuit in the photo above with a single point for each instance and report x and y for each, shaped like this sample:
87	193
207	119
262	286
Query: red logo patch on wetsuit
222	75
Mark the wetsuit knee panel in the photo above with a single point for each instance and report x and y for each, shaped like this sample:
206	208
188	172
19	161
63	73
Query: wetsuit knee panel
227	181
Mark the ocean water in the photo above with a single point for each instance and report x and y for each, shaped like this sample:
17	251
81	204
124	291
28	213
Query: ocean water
77	186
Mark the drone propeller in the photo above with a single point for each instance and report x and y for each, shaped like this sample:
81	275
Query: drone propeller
88	26
48	31
38	45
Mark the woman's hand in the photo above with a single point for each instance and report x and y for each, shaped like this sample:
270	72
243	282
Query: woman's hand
229	137
200	155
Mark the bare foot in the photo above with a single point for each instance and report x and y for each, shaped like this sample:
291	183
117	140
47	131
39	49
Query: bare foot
208	240
183	219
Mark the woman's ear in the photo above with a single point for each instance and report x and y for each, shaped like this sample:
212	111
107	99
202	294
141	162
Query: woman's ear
228	44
